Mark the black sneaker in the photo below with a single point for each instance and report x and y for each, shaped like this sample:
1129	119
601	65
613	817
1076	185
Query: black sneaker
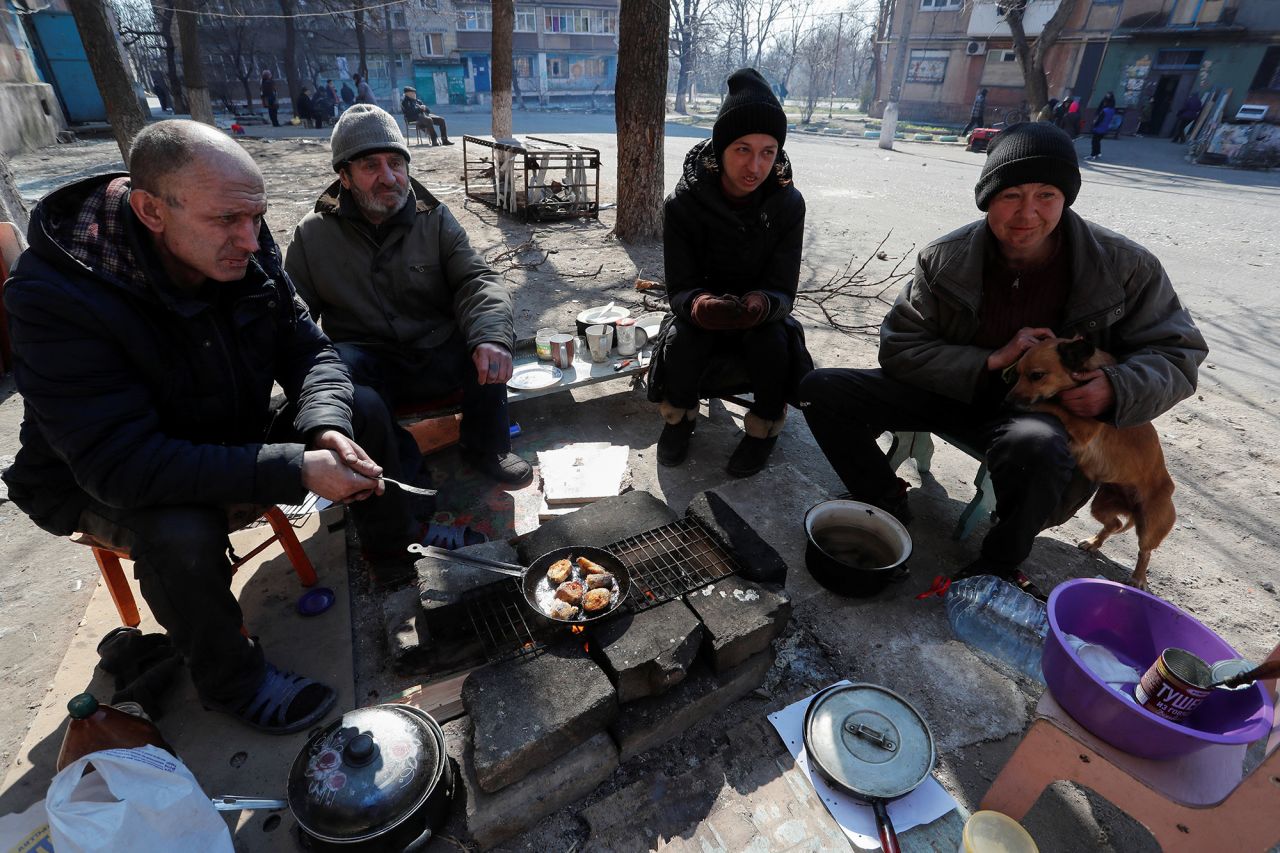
504	467
673	444
751	455
893	502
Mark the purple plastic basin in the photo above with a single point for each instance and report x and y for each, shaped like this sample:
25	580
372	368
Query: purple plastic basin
1136	626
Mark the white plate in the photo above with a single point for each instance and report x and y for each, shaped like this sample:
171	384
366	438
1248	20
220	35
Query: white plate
531	377
650	323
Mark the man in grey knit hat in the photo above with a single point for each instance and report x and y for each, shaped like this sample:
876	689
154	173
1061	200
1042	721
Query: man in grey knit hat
413	310
980	297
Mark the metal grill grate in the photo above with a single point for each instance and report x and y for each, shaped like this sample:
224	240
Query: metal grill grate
670	561
503	623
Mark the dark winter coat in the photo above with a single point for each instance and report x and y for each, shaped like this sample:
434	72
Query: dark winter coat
711	247
412	289
1120	299
137	395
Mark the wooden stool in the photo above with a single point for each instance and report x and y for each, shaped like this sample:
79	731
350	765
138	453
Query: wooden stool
919	446
1197	802
109	558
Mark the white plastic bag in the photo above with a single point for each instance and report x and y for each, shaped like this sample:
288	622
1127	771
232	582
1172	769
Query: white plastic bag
25	832
138	799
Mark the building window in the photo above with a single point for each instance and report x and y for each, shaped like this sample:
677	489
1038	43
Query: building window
557	67
581	21
523	66
397	19
433	44
1268	76
593	67
475	18
526	20
939	5
927	66
1186	60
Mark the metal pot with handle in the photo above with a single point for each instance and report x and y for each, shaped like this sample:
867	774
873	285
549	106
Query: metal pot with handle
870	743
376	780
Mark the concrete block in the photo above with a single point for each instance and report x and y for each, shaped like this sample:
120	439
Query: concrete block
647	723
529	712
442	584
741	618
649	652
491	818
405	629
758	560
598	524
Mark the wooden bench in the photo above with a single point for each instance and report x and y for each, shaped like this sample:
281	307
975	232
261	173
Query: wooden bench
919	446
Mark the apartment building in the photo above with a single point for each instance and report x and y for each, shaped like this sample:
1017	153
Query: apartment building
1150	53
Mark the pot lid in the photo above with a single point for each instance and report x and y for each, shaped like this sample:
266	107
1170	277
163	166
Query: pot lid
868	740
365	773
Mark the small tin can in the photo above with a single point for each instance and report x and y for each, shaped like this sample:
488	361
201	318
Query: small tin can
1227	668
1174	685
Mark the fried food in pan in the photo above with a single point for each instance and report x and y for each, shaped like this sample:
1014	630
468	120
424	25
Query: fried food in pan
559	572
563	610
604	581
591	568
596	600
570	591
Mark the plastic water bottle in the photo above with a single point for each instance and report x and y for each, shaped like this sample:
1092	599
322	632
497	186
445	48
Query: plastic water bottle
1001	620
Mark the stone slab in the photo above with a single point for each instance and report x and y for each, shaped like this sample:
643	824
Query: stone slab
741	618
405	628
441	584
758	560
530	711
647	653
491	818
647	723
598	524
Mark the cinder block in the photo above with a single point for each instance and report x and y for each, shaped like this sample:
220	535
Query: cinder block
649	652
741	618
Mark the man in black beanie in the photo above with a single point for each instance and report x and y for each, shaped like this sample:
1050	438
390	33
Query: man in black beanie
732	236
979	298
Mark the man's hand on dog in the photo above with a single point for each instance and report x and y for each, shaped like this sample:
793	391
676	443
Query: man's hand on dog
1024	340
493	364
1092	397
337	468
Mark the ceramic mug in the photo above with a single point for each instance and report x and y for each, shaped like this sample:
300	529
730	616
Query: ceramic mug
562	347
600	342
630	336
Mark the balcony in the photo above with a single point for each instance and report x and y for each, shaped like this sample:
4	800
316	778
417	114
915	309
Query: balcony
987	19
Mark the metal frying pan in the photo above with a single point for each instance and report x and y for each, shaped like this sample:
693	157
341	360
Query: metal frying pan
538	591
870	743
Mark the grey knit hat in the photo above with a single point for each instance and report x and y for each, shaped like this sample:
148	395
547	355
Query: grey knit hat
365	129
1029	153
750	107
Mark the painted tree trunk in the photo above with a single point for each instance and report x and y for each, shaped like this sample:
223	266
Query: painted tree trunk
193	63
640	114
124	112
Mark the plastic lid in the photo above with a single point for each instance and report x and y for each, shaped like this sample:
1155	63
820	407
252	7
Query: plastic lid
83	706
993	832
868	740
313	602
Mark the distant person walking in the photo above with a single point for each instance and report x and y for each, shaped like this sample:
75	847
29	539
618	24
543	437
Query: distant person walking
1102	124
364	93
348	95
976	115
1191	109
269	102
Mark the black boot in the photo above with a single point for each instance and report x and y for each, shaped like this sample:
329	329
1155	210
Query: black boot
673	444
751	455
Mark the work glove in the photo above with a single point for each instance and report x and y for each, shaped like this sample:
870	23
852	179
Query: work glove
717	313
758	306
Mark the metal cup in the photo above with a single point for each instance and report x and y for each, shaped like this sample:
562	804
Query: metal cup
1175	685
562	347
600	342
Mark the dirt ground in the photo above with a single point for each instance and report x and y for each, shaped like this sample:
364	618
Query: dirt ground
1213	229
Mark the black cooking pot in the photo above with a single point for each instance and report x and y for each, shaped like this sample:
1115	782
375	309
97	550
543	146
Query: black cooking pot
853	548
376	780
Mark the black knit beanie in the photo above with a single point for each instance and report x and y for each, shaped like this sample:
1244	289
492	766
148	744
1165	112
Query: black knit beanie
1029	153
749	108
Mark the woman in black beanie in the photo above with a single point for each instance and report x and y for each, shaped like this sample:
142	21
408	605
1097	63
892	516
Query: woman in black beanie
732	236
981	296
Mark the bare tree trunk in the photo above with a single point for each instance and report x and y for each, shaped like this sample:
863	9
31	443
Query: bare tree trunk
361	46
501	66
641	114
289	8
682	83
12	208
884	16
391	62
164	21
1031	57
100	45
193	63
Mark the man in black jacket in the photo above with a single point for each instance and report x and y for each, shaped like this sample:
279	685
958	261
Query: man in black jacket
150	319
733	231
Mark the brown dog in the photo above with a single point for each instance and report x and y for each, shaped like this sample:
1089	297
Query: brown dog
1135	488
